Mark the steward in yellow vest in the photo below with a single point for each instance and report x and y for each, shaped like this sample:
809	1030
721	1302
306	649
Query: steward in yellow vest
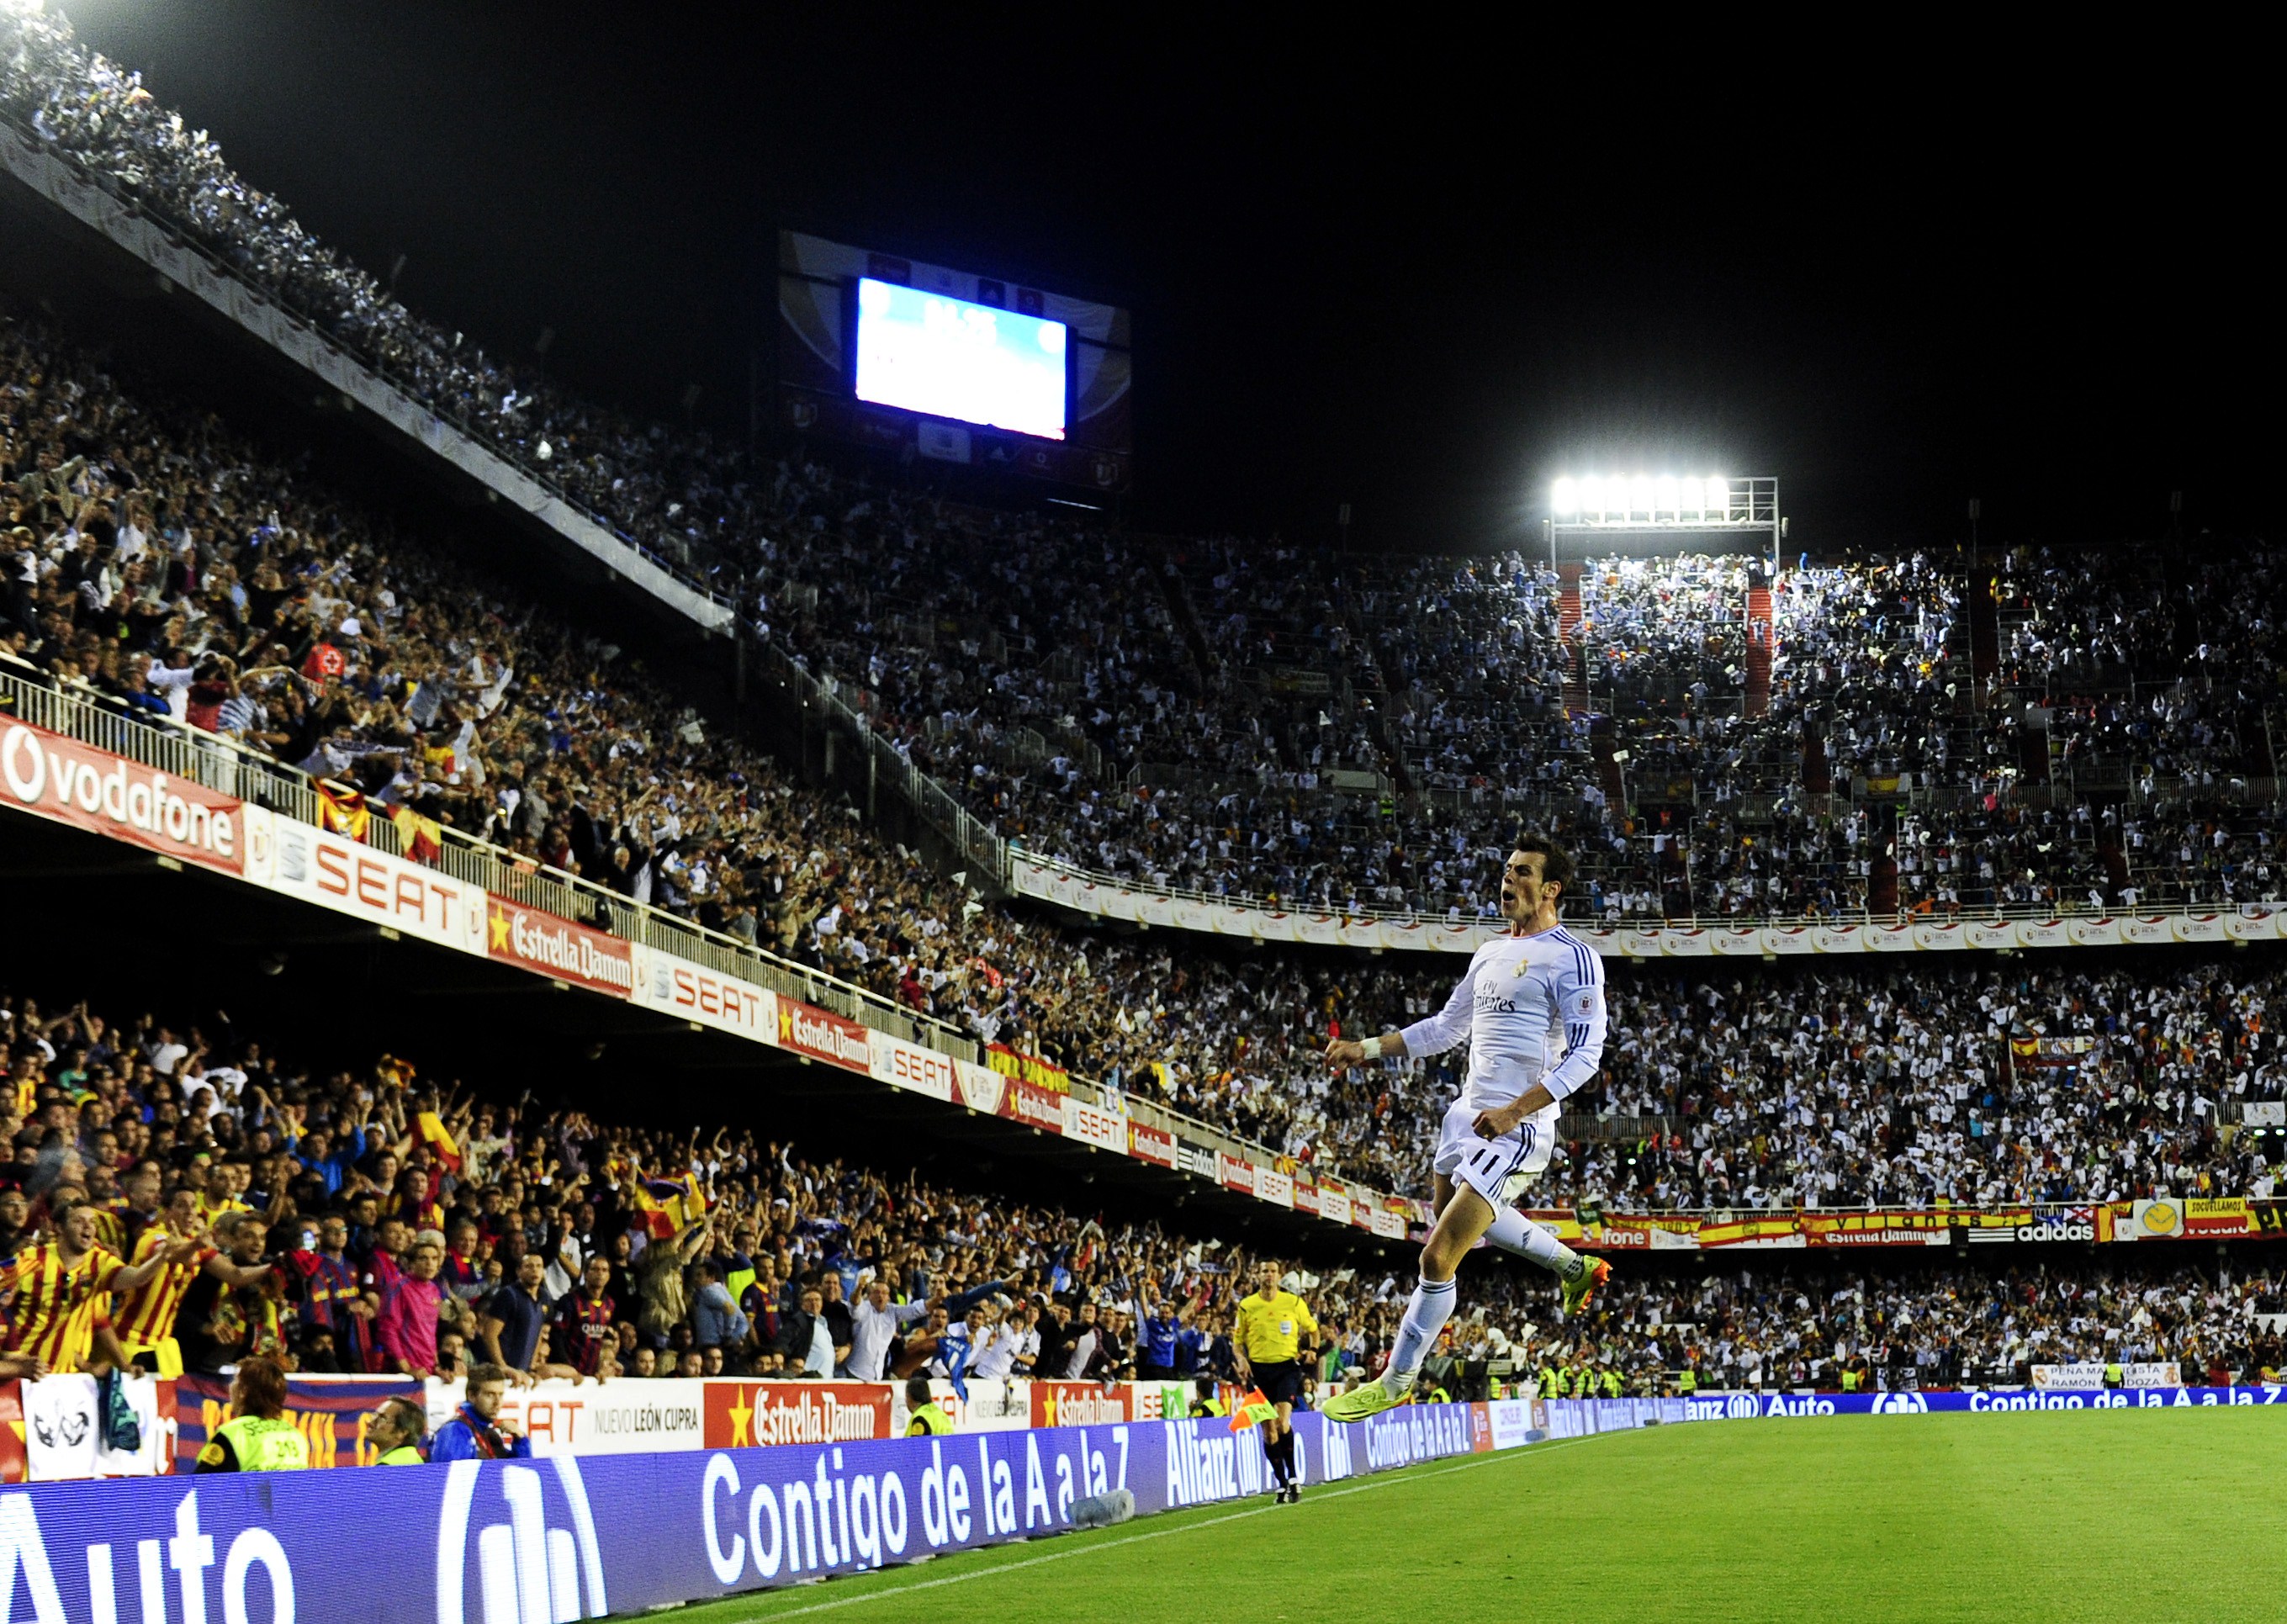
925	1417
257	1438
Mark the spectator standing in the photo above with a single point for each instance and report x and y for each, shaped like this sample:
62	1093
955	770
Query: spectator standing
509	1326
716	1320
406	1327
588	1319
874	1324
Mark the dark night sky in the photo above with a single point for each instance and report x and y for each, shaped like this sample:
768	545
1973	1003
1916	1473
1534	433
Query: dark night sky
1421	285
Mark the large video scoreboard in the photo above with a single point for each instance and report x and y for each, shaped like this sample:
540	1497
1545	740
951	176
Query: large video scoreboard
960	368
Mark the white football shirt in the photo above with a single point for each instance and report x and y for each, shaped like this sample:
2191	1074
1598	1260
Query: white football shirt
1522	994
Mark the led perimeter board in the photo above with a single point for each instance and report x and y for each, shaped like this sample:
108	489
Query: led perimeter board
898	354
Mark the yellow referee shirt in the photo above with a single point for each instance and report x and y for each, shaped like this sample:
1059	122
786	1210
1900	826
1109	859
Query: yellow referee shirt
1271	1328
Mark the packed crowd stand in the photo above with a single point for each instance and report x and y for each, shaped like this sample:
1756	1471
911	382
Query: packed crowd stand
183	1196
158	565
156	562
1184	717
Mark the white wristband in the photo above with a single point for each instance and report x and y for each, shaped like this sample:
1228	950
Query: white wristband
1371	1048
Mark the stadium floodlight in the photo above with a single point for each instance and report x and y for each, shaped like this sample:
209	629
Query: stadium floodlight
1652	504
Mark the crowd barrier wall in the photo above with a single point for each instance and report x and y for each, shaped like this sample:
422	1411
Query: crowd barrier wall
49	1430
519	1542
574	1537
1982	1401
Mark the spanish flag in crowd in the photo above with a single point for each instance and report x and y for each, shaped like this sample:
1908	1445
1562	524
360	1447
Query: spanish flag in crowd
670	1206
440	1139
1252	1410
343	812
422	839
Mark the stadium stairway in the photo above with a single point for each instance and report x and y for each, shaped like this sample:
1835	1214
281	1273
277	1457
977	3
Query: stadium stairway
1761	646
1569	623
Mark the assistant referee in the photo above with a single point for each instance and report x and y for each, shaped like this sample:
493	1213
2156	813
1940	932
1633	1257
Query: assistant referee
1268	1336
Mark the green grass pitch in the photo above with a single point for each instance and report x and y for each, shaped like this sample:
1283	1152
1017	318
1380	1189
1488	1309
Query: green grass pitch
2142	1516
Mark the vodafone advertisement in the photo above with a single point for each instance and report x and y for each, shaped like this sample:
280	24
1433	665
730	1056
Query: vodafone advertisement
676	986
350	877
743	1413
77	784
824	1037
539	942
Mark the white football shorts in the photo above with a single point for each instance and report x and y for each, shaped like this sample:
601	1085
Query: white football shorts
1498	1169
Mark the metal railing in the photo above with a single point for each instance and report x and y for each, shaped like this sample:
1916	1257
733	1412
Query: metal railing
1994	912
222	764
971	834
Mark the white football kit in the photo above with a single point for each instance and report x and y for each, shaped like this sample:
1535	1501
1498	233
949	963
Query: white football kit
1520	992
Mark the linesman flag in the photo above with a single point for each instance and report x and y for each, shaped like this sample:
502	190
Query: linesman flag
1252	1410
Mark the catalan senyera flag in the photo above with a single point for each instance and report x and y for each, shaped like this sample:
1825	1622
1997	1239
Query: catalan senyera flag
670	1206
421	837
1252	1410
343	812
440	1139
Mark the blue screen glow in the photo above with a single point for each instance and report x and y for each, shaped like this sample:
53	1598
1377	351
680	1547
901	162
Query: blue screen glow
929	352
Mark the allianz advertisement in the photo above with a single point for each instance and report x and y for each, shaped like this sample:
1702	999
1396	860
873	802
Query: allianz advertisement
548	1540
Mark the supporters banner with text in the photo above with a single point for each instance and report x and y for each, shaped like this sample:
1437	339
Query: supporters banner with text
1028	1068
64	781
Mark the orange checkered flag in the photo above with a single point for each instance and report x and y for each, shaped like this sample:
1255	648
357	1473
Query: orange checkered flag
1252	1410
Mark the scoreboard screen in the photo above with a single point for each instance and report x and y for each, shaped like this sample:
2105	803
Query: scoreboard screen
931	353
929	361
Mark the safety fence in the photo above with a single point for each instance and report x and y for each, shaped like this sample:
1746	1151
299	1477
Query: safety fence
549	1541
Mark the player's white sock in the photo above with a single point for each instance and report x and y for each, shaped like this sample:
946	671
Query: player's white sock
1513	1231
1417	1332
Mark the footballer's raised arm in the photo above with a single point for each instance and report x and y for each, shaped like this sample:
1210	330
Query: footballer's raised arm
1439	1033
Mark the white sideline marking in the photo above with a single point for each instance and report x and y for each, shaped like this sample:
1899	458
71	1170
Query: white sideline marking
1381	1481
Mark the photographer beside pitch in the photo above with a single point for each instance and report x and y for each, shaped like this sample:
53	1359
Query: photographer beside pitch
1520	989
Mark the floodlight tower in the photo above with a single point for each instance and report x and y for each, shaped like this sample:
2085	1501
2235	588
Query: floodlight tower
1652	508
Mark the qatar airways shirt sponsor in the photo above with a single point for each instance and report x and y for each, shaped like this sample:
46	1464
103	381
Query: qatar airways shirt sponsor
538	941
824	1037
676	986
70	783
